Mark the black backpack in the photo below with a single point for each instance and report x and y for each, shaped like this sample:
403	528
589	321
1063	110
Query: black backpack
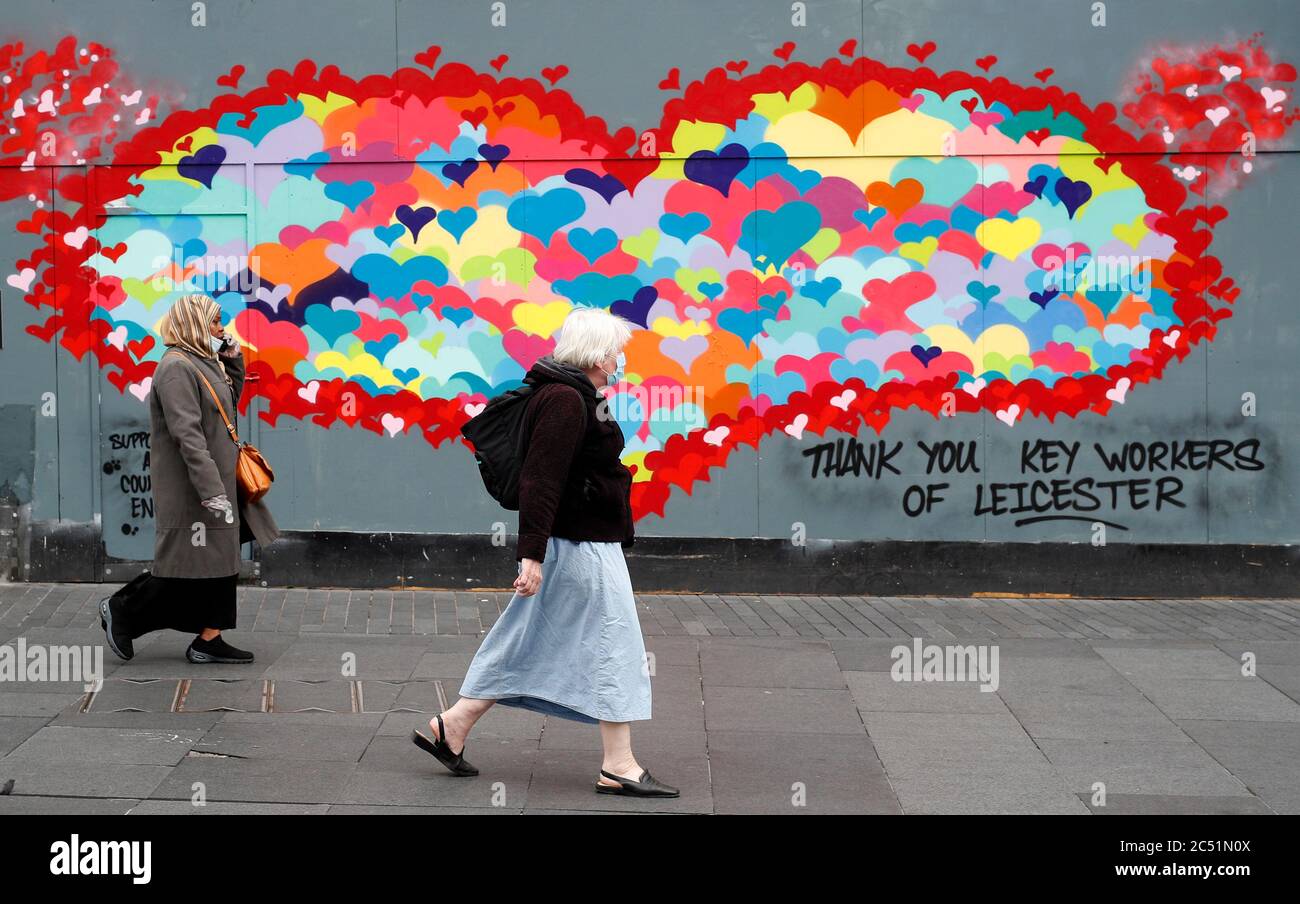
496	433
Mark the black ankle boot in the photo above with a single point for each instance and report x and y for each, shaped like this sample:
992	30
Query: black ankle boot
215	650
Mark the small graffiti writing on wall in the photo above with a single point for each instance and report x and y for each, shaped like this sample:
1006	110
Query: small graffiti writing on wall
1138	475
128	500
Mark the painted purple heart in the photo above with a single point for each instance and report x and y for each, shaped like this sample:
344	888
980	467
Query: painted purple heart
684	351
1072	194
1036	185
606	186
202	165
1042	298
636	309
415	219
718	170
459	172
926	355
493	154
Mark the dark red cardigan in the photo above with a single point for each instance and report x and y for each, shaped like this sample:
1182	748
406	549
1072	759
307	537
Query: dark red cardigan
573	484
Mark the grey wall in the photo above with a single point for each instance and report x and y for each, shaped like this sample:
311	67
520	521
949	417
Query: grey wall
68	469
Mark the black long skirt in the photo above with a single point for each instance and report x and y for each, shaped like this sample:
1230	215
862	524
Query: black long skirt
152	603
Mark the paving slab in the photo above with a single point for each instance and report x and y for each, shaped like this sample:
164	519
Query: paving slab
1264	755
879	692
790	773
1140	767
1177	805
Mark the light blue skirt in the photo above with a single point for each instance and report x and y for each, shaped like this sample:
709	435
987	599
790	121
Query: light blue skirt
573	649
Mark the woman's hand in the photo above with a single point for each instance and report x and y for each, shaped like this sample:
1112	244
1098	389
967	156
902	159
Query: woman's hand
530	577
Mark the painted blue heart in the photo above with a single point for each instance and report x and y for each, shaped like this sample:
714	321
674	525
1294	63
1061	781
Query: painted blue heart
407	374
773	302
390	233
494	153
388	279
637	309
593	245
710	290
869	218
306	168
771	236
1036	185
739	323
607	186
821	290
1073	194
1042	298
542	215
381	347
332	325
717	170
458	316
926	355
460	172
966	219
202	165
415	218
982	292
350	195
684	227
457	221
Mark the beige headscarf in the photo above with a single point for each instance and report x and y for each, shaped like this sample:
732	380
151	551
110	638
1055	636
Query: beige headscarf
188	325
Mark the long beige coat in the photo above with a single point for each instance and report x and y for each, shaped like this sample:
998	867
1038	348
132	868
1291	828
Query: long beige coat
192	458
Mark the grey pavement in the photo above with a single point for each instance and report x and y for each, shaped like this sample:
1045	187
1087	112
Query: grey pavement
762	704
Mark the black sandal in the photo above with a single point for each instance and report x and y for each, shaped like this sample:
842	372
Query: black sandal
646	786
454	761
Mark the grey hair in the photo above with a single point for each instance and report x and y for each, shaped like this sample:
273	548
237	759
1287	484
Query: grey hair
589	335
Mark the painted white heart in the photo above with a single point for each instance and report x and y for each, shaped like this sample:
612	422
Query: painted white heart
143	117
77	237
273	297
1187	173
93	97
795	428
130	100
842	400
117	338
22	280
392	423
29	164
141	390
1191	91
1217	115
1117	392
715	436
47	102
1171	339
474	409
1167	135
1229	72
1008	415
975	387
308	393
19	110
1272	96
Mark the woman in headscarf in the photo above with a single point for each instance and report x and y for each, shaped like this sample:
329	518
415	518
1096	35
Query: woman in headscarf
569	643
200	522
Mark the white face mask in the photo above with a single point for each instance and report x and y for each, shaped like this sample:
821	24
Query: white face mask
216	343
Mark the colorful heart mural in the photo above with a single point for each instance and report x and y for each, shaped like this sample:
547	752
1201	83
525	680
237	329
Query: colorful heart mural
399	286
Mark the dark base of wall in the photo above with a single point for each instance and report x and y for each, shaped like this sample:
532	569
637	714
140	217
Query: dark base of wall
61	552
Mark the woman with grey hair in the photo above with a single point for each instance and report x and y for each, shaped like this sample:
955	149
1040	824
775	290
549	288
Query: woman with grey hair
568	644
200	522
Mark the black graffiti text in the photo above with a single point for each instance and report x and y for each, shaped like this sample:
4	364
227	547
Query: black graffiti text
847	456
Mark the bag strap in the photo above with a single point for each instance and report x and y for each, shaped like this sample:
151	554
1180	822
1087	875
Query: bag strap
230	428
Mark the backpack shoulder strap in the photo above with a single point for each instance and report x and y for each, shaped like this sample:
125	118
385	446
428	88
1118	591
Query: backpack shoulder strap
230	427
